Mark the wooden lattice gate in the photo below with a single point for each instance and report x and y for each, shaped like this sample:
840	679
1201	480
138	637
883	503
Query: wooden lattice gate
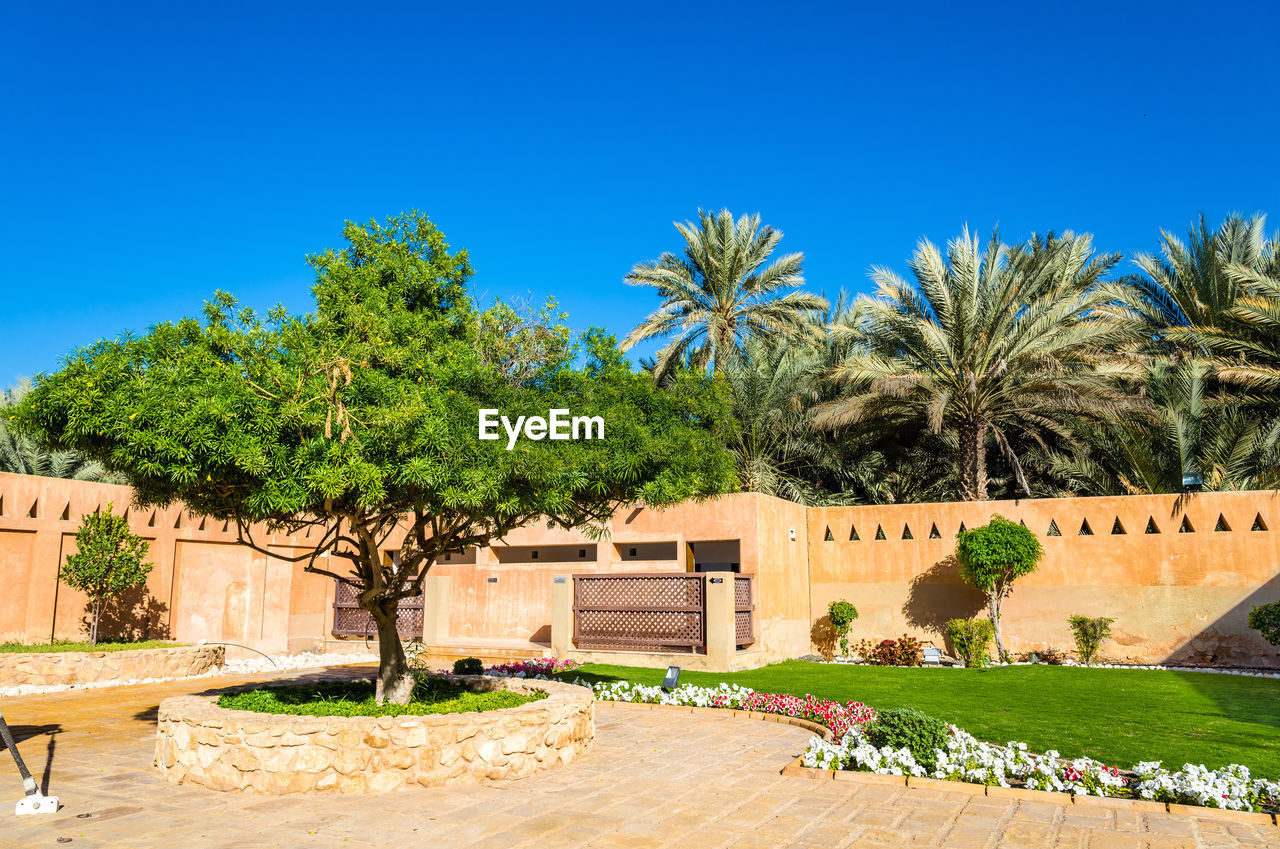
639	612
351	620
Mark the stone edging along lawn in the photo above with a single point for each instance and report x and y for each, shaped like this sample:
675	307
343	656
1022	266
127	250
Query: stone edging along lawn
42	669
797	769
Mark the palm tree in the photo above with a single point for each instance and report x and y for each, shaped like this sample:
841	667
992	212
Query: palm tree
1189	285
1191	432
992	345
21	456
720	293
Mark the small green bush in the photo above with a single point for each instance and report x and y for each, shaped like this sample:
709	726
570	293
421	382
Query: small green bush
904	652
970	639
1089	634
431	694
842	613
468	666
907	728
1265	619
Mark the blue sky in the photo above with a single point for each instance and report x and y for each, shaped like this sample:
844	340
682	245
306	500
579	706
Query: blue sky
154	153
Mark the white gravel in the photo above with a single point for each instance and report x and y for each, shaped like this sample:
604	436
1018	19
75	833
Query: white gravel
277	663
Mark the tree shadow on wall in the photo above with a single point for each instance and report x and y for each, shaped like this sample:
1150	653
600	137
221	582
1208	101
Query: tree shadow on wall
128	617
939	594
824	637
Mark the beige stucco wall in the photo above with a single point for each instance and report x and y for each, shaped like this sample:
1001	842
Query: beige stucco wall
1176	597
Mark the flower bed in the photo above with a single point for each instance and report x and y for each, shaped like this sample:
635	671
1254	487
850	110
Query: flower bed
965	758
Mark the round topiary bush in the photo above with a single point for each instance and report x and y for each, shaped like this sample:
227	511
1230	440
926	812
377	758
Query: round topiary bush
907	728
468	666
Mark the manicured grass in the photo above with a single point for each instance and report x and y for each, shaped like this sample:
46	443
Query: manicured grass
67	645
1118	716
356	698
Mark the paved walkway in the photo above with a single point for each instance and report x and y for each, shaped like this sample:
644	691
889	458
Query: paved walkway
654	779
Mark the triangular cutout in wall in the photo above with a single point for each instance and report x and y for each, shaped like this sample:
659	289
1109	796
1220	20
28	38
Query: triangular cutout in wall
962	528
226	525
1258	524
66	513
1	505
906	531
1186	527
880	533
830	537
933	532
177	520
853	533
1221	526
201	528
1053	529
34	512
1117	527
1152	527
1022	522
1085	530
151	522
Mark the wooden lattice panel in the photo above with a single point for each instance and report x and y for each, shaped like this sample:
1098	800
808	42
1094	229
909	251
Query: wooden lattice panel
351	620
639	612
744	609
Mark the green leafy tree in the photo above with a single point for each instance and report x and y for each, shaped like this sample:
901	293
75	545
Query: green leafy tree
722	291
842	615
991	558
993	346
109	560
21	455
359	422
1265	619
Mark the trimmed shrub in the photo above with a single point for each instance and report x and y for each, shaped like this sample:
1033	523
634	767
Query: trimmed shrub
970	639
904	652
842	613
907	728
468	666
1265	619
1089	634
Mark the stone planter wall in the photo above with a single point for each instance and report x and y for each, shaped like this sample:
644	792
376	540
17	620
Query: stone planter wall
82	667
198	742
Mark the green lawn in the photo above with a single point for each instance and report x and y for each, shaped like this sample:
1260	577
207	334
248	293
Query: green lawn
67	645
1118	716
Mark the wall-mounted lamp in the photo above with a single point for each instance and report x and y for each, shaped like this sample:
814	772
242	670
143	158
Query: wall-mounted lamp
493	580
793	534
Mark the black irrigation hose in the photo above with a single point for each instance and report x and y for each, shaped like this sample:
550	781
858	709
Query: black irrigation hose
237	645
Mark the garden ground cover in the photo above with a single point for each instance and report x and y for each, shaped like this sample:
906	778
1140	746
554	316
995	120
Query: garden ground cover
356	698
67	645
1117	716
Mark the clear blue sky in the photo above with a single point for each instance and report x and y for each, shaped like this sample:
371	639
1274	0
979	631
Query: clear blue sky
154	153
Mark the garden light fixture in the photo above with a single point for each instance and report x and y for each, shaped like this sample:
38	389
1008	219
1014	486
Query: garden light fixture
672	678
34	802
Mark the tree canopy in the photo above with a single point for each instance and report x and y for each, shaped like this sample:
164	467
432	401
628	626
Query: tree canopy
360	418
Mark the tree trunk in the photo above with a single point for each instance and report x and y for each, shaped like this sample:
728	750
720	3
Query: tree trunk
395	682
993	609
93	627
973	462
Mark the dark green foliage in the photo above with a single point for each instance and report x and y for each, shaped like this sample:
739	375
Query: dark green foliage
842	613
431	694
970	639
907	728
109	560
468	666
903	652
1089	634
1265	619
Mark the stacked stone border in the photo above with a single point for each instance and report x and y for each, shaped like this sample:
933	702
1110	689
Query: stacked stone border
797	769
199	743
44	669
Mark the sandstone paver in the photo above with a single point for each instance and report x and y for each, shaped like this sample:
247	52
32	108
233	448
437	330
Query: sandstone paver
653	779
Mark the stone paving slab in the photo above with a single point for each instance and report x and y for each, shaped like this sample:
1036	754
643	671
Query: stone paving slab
654	779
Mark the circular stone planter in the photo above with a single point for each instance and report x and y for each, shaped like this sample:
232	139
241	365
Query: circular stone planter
42	669
198	742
